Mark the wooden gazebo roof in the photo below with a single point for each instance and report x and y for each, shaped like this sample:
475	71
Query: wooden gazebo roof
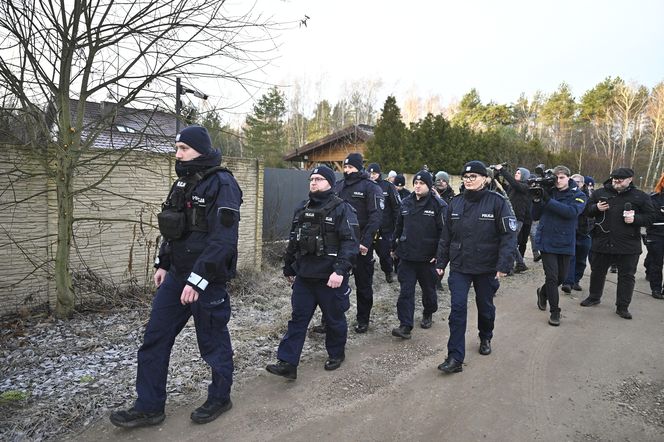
333	149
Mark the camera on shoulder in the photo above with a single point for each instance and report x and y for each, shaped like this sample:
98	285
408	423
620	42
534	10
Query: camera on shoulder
541	179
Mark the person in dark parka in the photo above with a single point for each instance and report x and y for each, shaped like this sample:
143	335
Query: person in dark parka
620	210
521	200
366	197
557	209
199	223
400	183
383	242
321	250
655	241
442	186
477	241
417	237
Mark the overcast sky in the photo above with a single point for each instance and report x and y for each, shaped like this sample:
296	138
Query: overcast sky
445	48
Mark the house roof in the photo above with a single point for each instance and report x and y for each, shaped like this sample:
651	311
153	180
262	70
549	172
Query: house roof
354	133
119	127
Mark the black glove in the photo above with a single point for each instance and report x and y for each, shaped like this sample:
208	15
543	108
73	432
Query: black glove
546	196
536	194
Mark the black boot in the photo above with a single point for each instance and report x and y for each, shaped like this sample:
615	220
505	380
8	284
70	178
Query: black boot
133	419
334	363
283	368
451	365
402	332
485	347
427	320
210	410
623	313
554	319
389	277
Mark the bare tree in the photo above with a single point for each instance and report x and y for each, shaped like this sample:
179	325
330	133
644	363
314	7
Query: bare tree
53	51
655	115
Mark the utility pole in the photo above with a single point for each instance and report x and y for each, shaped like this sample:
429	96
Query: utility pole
179	91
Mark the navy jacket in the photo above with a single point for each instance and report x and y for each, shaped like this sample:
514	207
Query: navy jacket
366	197
479	235
392	204
206	257
657	227
403	193
558	218
611	234
419	226
341	222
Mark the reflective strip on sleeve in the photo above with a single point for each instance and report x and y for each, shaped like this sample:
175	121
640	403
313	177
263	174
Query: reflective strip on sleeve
198	281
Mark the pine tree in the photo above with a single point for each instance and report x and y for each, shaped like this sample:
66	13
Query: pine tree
264	130
388	145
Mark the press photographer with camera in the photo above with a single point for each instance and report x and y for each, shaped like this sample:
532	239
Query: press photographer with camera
521	200
557	204
620	210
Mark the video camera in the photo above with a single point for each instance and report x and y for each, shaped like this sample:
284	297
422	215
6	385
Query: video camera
543	179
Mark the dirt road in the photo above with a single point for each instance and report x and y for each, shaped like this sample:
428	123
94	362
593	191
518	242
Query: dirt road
596	377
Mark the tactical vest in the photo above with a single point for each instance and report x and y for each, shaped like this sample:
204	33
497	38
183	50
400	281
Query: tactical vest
316	234
179	213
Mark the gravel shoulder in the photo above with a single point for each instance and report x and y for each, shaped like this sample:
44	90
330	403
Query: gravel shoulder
596	377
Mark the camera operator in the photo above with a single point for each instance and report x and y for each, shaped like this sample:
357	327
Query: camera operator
557	205
521	200
620	210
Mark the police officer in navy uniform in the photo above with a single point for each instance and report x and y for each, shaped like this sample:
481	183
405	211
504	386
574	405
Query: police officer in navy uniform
321	251
199	224
417	238
392	200
366	197
478	242
400	183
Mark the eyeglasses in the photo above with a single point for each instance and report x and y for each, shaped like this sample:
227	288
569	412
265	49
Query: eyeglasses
316	179
618	180
469	177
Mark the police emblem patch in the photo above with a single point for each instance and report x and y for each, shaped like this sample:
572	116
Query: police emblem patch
382	204
512	224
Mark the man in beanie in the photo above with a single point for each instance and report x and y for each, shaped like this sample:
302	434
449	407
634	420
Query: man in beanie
519	195
442	186
199	227
478	241
400	183
620	210
321	250
366	197
383	242
417	236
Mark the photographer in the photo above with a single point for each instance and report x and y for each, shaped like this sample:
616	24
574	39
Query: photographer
557	204
521	200
620	210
